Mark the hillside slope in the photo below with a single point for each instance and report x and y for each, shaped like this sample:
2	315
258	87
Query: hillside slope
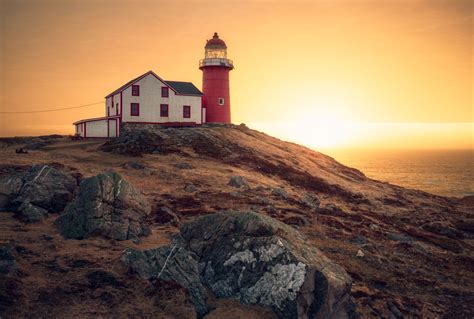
408	252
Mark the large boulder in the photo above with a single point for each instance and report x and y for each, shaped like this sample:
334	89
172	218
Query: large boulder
252	258
38	191
106	205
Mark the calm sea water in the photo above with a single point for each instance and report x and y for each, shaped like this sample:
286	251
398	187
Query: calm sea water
448	173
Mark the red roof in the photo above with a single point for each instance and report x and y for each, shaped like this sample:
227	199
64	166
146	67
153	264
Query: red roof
215	42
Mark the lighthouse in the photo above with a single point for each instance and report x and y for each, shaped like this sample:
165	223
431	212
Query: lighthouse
215	81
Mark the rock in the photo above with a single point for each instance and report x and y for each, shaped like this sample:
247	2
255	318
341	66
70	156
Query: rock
374	227
394	310
134	165
298	221
238	182
280	193
9	189
138	142
106	206
310	200
270	209
400	237
252	258
358	240
164	215
29	213
7	260
173	263
263	201
190	188
40	190
184	165
360	253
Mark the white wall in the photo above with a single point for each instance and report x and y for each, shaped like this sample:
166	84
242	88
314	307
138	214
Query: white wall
116	109
96	128
108	105
150	100
113	127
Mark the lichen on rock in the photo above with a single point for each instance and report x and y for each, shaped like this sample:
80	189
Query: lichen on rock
256	260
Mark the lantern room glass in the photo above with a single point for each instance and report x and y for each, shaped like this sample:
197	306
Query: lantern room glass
213	53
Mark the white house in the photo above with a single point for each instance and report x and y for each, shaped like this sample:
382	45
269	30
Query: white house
147	99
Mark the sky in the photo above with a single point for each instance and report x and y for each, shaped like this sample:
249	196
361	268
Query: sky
326	74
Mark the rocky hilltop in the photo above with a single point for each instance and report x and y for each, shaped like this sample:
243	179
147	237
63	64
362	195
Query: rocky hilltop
221	222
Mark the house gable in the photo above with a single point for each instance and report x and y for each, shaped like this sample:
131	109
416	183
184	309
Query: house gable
184	88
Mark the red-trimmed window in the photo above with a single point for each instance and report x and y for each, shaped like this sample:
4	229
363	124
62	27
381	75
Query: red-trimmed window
164	110
165	92
186	111
135	90
134	109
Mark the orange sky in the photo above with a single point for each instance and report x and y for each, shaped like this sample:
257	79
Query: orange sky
326	73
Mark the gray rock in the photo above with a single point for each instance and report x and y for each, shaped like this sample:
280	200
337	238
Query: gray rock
238	182
40	190
270	209
297	221
134	165
400	237
252	258
190	188
30	213
184	165
263	201
173	263
9	189
358	240
280	193
106	206
310	200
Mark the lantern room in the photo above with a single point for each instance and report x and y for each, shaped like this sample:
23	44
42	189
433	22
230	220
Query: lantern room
215	53
215	48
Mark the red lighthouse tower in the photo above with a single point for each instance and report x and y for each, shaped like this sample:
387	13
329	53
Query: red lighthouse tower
215	81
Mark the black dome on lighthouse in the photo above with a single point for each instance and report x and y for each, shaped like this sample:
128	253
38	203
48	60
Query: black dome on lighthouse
215	43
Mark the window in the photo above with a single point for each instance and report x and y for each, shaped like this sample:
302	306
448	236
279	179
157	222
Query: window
164	110
116	104
134	109
186	111
165	91
220	101
135	90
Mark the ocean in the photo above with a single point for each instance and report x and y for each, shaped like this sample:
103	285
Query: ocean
441	172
